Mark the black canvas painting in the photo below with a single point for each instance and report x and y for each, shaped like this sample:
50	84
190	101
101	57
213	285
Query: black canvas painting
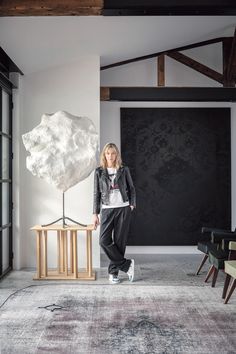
180	161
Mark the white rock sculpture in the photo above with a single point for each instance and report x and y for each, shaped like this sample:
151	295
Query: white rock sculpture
63	148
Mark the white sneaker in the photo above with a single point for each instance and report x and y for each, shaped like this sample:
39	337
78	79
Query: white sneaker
114	279
131	271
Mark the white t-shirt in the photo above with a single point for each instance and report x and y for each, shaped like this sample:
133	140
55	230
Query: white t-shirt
115	197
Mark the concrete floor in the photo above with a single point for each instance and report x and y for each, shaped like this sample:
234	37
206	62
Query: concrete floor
161	269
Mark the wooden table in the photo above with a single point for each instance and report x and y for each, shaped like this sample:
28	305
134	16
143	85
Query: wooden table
67	256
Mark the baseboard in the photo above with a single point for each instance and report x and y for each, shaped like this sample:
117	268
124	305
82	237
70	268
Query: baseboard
161	250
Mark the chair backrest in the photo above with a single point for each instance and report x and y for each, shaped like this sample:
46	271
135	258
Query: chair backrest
232	245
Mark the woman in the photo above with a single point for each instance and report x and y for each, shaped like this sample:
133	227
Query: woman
114	195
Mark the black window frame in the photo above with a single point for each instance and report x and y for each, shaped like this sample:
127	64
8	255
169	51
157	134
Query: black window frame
7	83
7	88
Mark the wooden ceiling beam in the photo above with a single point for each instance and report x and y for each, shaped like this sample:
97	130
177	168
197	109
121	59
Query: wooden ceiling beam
51	7
231	70
226	49
154	55
104	94
169	8
161	70
195	65
117	7
165	94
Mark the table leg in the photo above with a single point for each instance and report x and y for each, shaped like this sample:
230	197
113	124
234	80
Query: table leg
45	261
71	253
65	251
75	254
89	253
58	252
39	270
62	263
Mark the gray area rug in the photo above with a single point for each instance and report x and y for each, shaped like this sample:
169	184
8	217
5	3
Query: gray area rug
102	319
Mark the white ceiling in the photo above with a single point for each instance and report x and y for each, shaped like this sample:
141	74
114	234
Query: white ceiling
37	43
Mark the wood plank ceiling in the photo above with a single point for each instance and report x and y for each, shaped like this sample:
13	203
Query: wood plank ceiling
117	8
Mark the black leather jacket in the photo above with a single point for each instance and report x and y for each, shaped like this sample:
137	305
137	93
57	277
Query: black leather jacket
102	185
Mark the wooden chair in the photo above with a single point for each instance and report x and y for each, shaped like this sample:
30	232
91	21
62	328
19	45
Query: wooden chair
230	270
205	244
218	256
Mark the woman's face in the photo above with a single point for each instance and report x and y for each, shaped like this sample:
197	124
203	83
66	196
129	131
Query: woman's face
110	155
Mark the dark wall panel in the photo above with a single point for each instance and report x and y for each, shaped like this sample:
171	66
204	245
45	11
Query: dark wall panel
180	162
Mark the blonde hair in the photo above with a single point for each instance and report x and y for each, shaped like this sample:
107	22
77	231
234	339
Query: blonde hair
103	160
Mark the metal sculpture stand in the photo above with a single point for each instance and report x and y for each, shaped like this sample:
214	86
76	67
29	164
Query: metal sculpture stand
64	218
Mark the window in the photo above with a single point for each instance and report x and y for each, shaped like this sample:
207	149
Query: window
7	83
5	179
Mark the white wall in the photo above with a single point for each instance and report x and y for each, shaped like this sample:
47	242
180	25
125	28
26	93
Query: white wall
73	88
144	73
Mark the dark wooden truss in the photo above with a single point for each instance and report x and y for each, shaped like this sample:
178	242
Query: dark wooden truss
168	7
227	78
174	94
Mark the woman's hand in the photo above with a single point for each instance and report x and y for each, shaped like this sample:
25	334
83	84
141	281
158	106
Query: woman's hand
96	221
131	207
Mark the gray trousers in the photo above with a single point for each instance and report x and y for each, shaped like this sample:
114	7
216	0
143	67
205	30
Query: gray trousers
113	237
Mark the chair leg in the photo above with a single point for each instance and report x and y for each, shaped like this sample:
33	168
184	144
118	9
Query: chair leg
202	263
226	285
230	292
215	275
210	271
